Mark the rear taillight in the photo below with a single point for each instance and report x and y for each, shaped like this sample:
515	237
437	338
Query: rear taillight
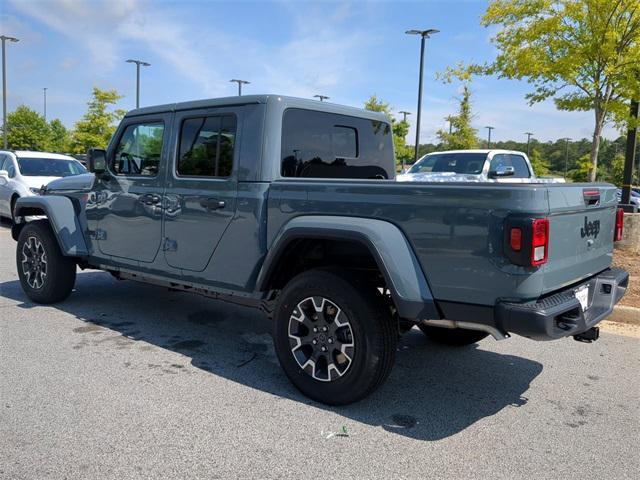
617	233
539	241
515	239
527	241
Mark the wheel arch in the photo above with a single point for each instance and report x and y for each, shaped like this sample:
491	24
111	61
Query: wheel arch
61	216
384	241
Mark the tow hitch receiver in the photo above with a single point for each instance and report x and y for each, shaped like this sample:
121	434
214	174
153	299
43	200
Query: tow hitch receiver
589	336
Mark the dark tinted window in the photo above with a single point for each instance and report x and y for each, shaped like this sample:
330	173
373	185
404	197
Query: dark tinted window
509	160
139	150
206	146
47	167
469	163
3	159
328	145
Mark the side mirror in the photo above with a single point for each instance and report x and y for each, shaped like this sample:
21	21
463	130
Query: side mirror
4	174
503	171
97	160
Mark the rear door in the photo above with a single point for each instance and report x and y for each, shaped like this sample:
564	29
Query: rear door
581	224
200	198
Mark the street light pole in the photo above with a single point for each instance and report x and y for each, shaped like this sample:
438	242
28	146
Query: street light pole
322	98
44	91
489	136
138	64
529	135
404	115
630	155
240	83
424	34
566	156
4	87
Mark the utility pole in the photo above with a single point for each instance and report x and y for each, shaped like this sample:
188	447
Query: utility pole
4	38
322	98
138	64
404	115
566	157
489	136
240	83
424	34
529	135
44	91
630	154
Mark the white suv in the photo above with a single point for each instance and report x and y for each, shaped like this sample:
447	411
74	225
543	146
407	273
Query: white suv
22	174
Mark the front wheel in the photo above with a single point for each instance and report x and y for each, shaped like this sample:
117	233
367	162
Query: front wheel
334	336
45	274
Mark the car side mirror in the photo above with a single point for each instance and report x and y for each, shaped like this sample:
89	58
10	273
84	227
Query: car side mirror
4	173
502	171
97	160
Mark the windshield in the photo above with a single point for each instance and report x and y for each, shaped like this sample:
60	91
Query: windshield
469	163
49	167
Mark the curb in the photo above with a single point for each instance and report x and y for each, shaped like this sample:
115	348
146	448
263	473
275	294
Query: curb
625	314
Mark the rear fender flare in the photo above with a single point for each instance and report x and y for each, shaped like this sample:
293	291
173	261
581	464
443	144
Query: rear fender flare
391	250
62	217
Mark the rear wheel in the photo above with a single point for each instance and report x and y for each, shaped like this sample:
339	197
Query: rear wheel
456	337
334	336
45	274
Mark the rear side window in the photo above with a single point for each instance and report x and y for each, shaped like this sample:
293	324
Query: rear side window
328	145
139	149
206	146
509	160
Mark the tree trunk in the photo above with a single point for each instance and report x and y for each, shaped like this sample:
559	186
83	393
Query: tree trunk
595	144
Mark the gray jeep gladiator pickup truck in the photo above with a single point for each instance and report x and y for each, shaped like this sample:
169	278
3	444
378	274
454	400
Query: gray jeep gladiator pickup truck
291	206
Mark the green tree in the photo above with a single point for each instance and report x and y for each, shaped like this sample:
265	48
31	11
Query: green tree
582	170
27	130
616	173
97	125
582	53
58	137
399	129
540	166
463	136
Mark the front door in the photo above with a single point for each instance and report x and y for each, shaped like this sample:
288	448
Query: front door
201	192
129	199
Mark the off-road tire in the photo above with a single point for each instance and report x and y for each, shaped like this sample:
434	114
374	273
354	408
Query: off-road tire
59	271
370	326
454	337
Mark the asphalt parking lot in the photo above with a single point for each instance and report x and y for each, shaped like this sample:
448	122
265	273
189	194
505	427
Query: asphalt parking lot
132	381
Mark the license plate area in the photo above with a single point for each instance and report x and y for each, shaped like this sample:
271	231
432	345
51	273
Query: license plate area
582	295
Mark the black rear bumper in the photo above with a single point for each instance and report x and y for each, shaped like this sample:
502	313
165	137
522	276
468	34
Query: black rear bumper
560	314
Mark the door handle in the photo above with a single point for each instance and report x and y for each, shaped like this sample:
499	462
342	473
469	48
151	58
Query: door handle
212	203
150	199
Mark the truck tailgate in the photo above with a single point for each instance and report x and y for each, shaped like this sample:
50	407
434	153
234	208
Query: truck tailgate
581	227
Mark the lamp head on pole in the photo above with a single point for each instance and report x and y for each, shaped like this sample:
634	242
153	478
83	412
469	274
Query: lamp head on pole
10	39
139	62
423	33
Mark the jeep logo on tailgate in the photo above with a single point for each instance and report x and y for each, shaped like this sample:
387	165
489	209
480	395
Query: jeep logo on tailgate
590	228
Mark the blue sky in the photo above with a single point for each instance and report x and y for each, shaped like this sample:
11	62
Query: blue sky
345	50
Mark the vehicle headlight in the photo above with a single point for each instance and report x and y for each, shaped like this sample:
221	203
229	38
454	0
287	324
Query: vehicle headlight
34	190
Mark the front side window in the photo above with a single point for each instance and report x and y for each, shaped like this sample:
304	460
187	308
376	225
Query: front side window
328	145
206	146
509	160
139	150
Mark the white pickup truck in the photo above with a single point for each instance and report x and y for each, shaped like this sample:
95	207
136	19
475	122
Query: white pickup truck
507	166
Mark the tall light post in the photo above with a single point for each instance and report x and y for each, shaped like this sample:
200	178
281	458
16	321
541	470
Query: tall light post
240	83
489	136
4	87
322	98
566	156
404	115
138	64
529	135
44	92
424	34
